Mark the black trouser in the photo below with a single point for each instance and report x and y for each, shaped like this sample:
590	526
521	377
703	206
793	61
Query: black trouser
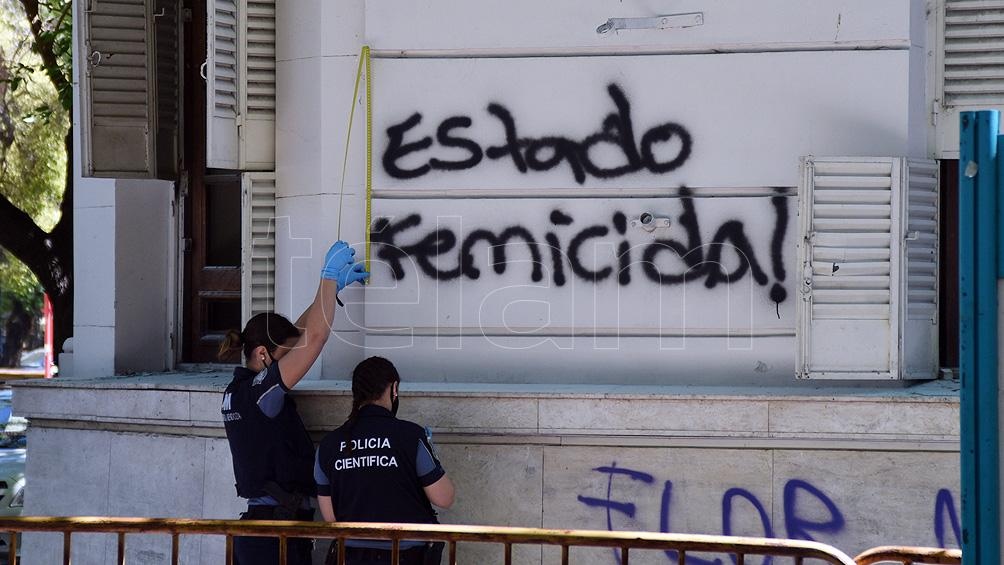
265	551
424	555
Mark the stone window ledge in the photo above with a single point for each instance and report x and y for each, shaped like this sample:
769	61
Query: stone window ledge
923	416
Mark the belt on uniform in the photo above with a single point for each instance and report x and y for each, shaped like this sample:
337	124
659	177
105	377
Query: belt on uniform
429	554
267	512
374	553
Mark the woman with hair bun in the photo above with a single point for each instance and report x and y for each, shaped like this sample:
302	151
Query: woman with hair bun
272	453
377	468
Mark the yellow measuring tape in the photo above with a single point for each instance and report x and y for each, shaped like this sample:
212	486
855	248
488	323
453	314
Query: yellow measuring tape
369	151
364	62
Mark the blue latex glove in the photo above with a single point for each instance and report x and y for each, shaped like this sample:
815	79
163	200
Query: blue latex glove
339	255
355	273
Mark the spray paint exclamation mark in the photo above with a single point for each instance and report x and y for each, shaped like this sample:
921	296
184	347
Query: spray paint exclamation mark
777	292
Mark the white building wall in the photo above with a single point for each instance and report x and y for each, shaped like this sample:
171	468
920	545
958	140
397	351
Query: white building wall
317	44
818	78
123	265
93	279
145	265
845	82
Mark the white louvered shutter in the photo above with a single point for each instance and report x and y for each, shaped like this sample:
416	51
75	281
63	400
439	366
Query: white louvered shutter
257	85
221	85
257	244
241	85
868	259
920	319
117	96
970	65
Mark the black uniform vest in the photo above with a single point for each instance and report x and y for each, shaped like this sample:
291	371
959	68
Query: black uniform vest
266	449
371	467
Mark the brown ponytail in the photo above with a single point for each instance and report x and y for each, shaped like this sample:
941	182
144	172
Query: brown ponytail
268	329
232	344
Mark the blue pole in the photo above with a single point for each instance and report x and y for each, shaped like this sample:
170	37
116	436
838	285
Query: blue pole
980	236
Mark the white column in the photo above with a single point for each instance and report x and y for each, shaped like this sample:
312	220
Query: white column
317	48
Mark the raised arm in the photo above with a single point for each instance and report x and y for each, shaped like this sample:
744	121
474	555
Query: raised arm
339	271
301	322
317	327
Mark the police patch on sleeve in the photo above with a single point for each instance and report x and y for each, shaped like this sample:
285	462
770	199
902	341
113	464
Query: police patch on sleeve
260	377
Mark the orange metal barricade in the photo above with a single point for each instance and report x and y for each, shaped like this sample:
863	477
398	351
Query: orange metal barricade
449	534
910	556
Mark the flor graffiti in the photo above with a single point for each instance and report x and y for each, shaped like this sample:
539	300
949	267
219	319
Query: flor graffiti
808	511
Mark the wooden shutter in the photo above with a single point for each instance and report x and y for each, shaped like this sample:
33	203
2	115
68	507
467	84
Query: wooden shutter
256	134
868	255
221	85
970	65
241	85
257	244
117	95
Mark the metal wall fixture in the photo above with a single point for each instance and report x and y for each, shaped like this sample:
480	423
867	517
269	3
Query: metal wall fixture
668	21
650	222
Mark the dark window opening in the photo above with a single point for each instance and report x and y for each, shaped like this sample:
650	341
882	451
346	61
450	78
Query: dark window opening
948	275
223	222
222	315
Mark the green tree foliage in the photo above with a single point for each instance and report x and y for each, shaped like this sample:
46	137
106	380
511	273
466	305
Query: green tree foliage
20	306
46	29
19	286
35	185
33	124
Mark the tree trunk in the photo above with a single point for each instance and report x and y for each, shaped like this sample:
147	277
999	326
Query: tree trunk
62	320
61	236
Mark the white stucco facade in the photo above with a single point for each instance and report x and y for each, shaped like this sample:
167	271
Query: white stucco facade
596	375
750	100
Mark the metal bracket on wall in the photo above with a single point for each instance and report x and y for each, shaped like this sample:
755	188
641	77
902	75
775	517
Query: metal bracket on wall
668	21
650	222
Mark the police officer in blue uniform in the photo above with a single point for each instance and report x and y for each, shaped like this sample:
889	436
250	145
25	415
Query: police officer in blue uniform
376	468
272	453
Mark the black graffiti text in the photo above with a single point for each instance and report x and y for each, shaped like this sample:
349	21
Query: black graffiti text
563	246
547	152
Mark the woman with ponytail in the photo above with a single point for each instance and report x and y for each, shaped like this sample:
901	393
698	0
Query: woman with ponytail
271	450
376	468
